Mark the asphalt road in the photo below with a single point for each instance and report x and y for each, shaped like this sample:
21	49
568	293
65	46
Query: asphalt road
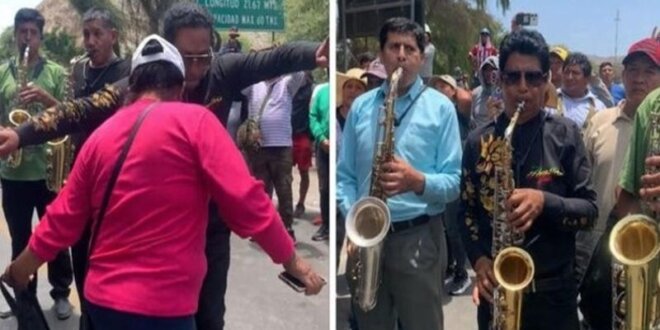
256	298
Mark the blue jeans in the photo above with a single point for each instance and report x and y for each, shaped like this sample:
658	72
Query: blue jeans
107	319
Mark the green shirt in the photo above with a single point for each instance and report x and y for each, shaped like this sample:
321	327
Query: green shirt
318	114
633	165
52	79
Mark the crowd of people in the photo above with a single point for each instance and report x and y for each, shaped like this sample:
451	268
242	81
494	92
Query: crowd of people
186	141
566	156
158	183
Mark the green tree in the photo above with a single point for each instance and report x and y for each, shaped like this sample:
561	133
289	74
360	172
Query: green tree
455	29
7	45
306	20
57	46
155	12
502	4
455	26
60	47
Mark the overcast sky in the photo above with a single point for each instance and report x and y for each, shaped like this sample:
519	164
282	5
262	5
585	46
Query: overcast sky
8	9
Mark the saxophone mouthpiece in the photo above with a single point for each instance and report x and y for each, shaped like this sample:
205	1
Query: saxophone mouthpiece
397	73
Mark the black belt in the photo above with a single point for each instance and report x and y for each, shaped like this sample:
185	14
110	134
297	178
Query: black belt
407	224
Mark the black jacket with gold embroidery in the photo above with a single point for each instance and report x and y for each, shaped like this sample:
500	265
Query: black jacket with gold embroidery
228	75
548	154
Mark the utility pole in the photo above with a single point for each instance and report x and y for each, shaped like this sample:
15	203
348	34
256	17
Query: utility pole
616	36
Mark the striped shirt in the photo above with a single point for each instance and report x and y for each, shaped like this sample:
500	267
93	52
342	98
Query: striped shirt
275	121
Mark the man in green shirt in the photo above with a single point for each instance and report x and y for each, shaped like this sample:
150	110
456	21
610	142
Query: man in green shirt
634	183
32	87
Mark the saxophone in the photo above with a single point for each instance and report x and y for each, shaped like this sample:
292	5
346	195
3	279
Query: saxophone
368	220
513	267
19	116
60	152
635	246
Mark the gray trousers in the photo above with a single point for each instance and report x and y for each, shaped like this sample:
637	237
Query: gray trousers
411	287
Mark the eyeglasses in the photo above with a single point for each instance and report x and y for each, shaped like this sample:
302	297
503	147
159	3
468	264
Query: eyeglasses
532	78
202	59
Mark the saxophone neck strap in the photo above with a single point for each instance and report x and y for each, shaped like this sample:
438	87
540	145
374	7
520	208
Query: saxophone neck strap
37	68
397	121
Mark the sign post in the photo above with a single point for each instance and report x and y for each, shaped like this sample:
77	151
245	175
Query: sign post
251	15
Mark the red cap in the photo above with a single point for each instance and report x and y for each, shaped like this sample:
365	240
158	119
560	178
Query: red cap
648	46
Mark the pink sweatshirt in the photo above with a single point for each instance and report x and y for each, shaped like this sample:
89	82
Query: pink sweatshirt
149	255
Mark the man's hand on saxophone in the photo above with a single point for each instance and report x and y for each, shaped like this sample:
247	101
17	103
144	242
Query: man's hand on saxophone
33	93
399	177
486	281
523	207
650	191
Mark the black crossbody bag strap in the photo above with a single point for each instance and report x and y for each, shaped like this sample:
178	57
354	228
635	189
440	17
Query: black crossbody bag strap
113	177
263	104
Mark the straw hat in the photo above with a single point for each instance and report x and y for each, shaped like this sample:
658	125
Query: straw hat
343	78
449	80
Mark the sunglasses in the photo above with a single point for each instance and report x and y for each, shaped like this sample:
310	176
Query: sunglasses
204	59
532	78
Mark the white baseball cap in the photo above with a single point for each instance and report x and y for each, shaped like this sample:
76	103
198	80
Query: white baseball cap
169	54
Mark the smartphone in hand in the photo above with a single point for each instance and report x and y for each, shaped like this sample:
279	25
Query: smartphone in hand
293	282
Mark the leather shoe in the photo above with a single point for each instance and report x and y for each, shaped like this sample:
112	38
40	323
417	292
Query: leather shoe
62	308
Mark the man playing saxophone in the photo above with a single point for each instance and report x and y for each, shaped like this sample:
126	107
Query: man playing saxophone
31	87
101	66
418	181
551	199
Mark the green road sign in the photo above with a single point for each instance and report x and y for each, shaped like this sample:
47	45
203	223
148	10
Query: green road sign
255	15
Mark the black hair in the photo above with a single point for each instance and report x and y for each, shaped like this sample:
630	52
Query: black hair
217	42
402	25
526	42
158	76
186	15
25	15
604	64
366	57
102	15
580	60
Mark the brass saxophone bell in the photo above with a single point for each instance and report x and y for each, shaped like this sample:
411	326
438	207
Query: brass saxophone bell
16	118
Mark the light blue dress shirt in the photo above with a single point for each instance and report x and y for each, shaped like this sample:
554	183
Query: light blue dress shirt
428	139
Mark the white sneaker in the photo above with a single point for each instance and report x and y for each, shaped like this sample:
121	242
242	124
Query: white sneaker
461	287
449	279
